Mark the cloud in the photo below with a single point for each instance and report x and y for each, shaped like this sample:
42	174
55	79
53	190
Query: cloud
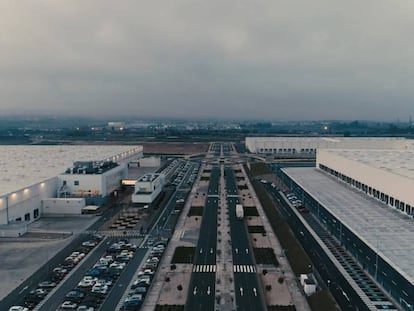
242	59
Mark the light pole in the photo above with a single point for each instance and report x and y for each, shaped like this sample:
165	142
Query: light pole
7	209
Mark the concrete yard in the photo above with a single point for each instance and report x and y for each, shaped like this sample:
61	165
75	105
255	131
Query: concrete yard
21	257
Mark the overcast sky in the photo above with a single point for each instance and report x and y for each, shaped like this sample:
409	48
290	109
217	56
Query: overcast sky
232	59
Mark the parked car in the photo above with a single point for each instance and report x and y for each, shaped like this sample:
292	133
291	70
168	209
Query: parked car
75	296
18	308
87	281
90	243
47	284
68	305
100	289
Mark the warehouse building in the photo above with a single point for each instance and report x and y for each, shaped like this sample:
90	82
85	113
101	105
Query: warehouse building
147	188
365	199
30	175
92	180
309	145
386	175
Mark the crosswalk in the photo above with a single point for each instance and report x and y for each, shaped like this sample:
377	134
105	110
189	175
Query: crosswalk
236	268
244	268
204	268
118	233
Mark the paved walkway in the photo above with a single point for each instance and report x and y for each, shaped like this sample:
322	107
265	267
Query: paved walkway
156	291
224	273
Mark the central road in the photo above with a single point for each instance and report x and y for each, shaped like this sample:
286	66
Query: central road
246	284
201	295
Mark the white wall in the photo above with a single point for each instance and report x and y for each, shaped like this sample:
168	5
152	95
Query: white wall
112	179
150	162
396	186
72	206
95	184
26	201
260	144
146	198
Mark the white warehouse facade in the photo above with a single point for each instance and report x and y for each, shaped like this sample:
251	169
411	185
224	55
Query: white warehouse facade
386	175
147	188
309	145
30	175
93	180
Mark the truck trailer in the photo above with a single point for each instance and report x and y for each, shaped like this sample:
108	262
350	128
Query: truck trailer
239	211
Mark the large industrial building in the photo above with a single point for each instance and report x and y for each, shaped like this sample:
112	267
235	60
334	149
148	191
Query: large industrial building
30	174
309	145
365	198
386	175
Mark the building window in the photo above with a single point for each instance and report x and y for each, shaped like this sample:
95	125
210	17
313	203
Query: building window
76	182
27	217
36	213
19	219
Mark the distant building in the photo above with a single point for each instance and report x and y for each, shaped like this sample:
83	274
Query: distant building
309	145
147	188
150	162
116	126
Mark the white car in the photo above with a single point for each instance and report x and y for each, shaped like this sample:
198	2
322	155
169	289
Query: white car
68	305
87	281
100	289
89	243
18	308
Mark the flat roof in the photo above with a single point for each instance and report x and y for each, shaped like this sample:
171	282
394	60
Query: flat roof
23	166
400	162
325	138
384	229
149	177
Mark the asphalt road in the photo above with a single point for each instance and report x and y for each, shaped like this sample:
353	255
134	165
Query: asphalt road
58	297
344	294
202	284
247	289
124	280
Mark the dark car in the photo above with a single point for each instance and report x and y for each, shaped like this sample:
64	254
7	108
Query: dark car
131	305
75	295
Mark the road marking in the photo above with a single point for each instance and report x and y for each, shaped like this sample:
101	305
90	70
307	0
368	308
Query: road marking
255	291
211	251
204	268
195	291
201	250
23	289
247	250
241	291
244	268
208	291
236	250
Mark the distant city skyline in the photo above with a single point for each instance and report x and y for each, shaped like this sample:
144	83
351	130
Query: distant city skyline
250	60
